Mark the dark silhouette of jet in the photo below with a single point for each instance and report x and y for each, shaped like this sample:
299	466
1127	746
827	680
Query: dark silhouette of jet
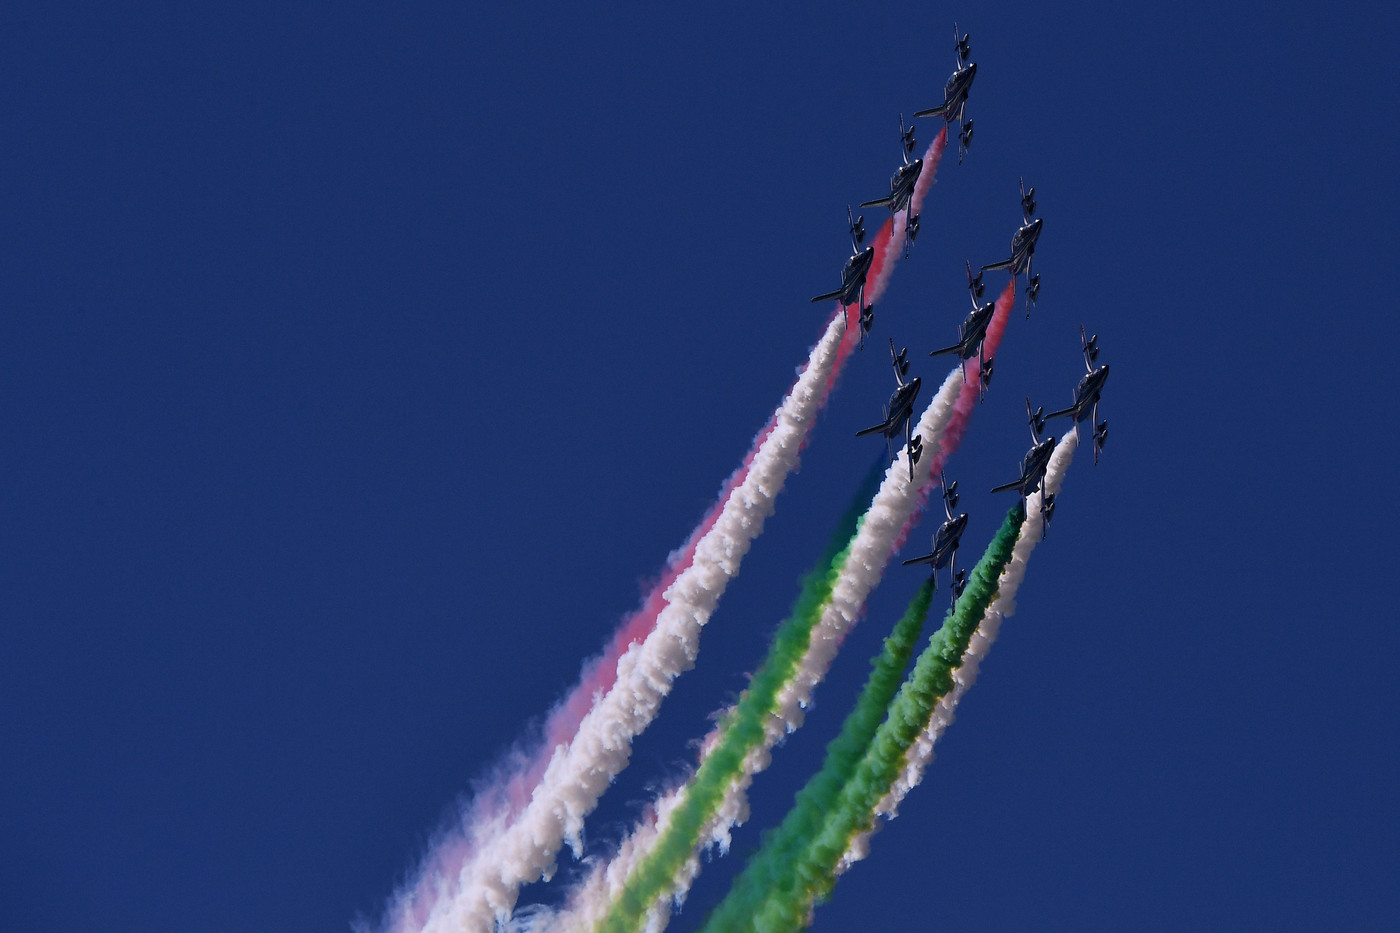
1023	248
945	542
853	275
954	106
902	183
973	331
1086	394
899	409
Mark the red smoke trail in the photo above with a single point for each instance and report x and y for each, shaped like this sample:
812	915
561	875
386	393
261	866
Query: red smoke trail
965	404
888	249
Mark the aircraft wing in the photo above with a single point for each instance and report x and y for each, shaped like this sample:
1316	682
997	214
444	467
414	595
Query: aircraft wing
1004	264
1012	485
926	559
828	296
879	428
936	111
955	348
882	202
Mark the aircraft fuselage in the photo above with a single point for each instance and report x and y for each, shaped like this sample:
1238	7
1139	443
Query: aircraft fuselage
1086	394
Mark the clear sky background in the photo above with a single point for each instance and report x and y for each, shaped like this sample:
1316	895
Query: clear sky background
356	365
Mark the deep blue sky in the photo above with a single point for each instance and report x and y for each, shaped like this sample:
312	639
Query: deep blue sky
356	365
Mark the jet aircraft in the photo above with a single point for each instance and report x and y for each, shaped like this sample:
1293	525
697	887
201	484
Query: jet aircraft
1086	394
899	409
1023	248
1034	465
853	275
973	331
954	106
945	542
902	186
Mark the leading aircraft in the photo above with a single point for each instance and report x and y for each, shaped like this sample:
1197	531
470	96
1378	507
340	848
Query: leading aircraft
899	409
1023	248
945	542
954	106
1034	465
853	275
1086	394
973	331
902	186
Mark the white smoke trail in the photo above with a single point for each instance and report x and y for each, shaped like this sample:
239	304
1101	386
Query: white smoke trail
920	754
870	550
578	773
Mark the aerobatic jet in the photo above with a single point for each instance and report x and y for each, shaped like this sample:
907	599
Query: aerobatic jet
1086	394
954	106
853	275
899	410
1034	465
1023	248
902	186
973	331
945	542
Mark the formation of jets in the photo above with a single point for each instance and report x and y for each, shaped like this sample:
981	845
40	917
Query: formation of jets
972	332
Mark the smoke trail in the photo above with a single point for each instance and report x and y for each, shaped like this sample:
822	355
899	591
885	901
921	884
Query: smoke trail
888	247
506	793
843	754
661	860
498	804
920	754
611	890
590	901
786	891
967	400
524	848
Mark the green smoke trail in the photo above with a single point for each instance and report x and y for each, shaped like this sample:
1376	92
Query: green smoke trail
741	730
779	886
843	754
